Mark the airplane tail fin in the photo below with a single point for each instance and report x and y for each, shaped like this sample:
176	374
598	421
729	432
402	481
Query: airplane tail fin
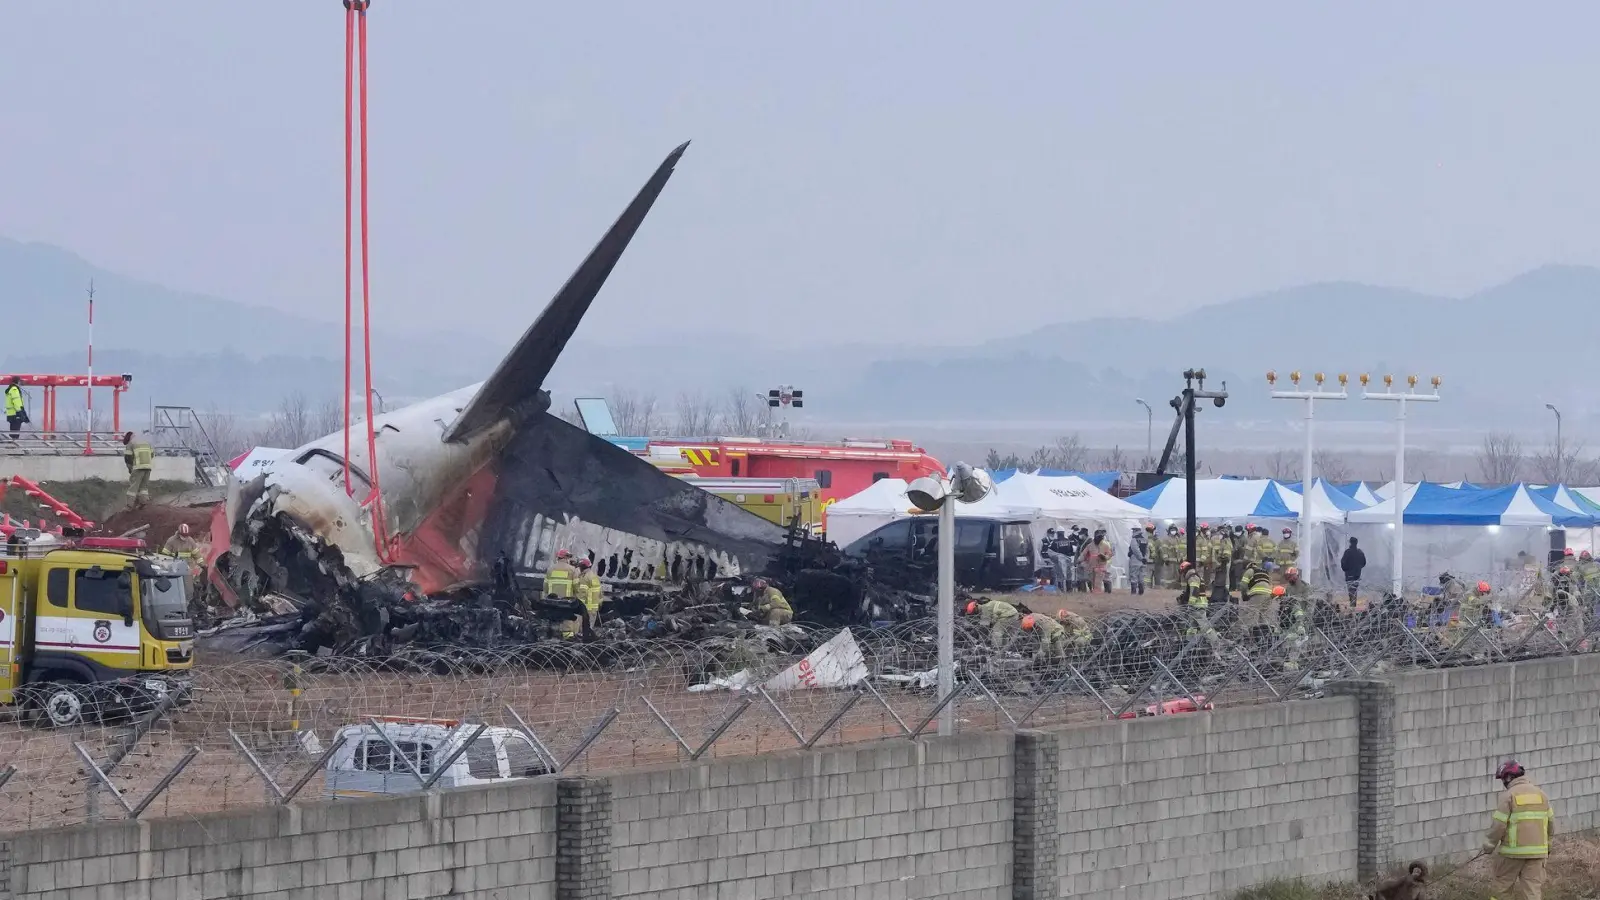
517	382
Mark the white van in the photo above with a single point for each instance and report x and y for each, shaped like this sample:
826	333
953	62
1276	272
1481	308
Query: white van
366	765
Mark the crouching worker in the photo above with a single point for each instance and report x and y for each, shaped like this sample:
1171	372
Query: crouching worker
999	616
1052	637
771	606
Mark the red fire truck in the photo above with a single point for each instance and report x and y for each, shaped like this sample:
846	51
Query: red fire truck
840	468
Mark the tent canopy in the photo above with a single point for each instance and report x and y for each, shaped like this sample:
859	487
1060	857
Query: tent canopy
1221	498
1101	480
1063	497
1330	503
1437	504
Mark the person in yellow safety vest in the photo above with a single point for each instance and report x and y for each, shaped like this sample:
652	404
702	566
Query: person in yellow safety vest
1169	550
1288	549
1588	574
186	548
999	616
16	409
588	590
1079	634
1256	609
1202	555
1196	599
1473	605
138	456
770	603
181	544
1052	636
1294	614
1257	545
558	580
1519	836
1222	556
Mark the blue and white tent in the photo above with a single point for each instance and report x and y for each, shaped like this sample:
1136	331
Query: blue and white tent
1437	504
1561	495
1328	503
1221	500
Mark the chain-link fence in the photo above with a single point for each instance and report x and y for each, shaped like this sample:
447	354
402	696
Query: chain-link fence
254	733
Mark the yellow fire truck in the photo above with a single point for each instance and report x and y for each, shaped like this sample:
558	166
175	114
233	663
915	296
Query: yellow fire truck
90	627
782	501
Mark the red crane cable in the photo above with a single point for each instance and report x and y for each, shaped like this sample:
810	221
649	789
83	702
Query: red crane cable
349	125
374	497
355	105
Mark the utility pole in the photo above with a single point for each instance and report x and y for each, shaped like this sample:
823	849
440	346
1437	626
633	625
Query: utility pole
1310	397
1149	430
1401	400
1194	384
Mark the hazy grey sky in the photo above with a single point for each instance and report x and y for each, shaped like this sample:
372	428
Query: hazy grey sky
856	166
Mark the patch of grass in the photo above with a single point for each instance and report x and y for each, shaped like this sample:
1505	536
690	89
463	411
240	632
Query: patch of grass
1299	890
92	498
1574	874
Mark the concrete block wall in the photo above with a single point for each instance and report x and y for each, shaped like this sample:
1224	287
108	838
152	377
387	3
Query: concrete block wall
1196	805
1190	806
1453	726
877	822
478	843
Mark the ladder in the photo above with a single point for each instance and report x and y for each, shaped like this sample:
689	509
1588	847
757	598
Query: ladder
178	429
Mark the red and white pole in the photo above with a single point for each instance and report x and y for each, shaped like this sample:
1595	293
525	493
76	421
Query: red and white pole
88	428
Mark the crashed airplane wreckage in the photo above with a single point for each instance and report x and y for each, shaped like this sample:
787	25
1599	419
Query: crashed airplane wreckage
475	491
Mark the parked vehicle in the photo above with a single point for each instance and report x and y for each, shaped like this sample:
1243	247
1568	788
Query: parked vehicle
373	760
991	554
90	627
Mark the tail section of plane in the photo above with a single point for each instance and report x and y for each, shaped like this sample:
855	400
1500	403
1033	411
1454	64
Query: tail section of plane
514	389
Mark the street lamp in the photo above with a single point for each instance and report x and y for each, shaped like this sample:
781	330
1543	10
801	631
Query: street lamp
1310	397
1410	396
1149	424
1561	459
930	494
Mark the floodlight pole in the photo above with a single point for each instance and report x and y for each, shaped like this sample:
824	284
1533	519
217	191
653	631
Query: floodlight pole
947	613
1310	398
1400	463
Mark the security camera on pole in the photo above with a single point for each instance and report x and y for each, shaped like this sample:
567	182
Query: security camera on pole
1410	396
929	494
1310	397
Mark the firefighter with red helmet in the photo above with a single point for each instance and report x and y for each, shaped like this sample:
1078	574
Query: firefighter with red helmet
1052	636
998	616
771	606
1196	600
558	579
589	590
1519	835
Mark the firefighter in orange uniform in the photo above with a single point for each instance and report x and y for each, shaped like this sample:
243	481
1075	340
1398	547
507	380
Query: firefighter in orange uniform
1520	836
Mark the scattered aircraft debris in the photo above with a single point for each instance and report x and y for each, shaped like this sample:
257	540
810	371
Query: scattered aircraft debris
333	551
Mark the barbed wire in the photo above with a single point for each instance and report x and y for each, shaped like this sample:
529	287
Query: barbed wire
249	733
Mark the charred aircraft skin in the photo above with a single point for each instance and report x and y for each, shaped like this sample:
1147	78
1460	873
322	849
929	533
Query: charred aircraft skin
554	476
446	465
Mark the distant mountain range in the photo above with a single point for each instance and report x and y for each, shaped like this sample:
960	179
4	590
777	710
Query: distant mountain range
1503	352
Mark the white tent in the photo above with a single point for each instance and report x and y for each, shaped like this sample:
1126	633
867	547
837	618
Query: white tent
879	504
1043	500
1364	494
1384	492
1064	497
